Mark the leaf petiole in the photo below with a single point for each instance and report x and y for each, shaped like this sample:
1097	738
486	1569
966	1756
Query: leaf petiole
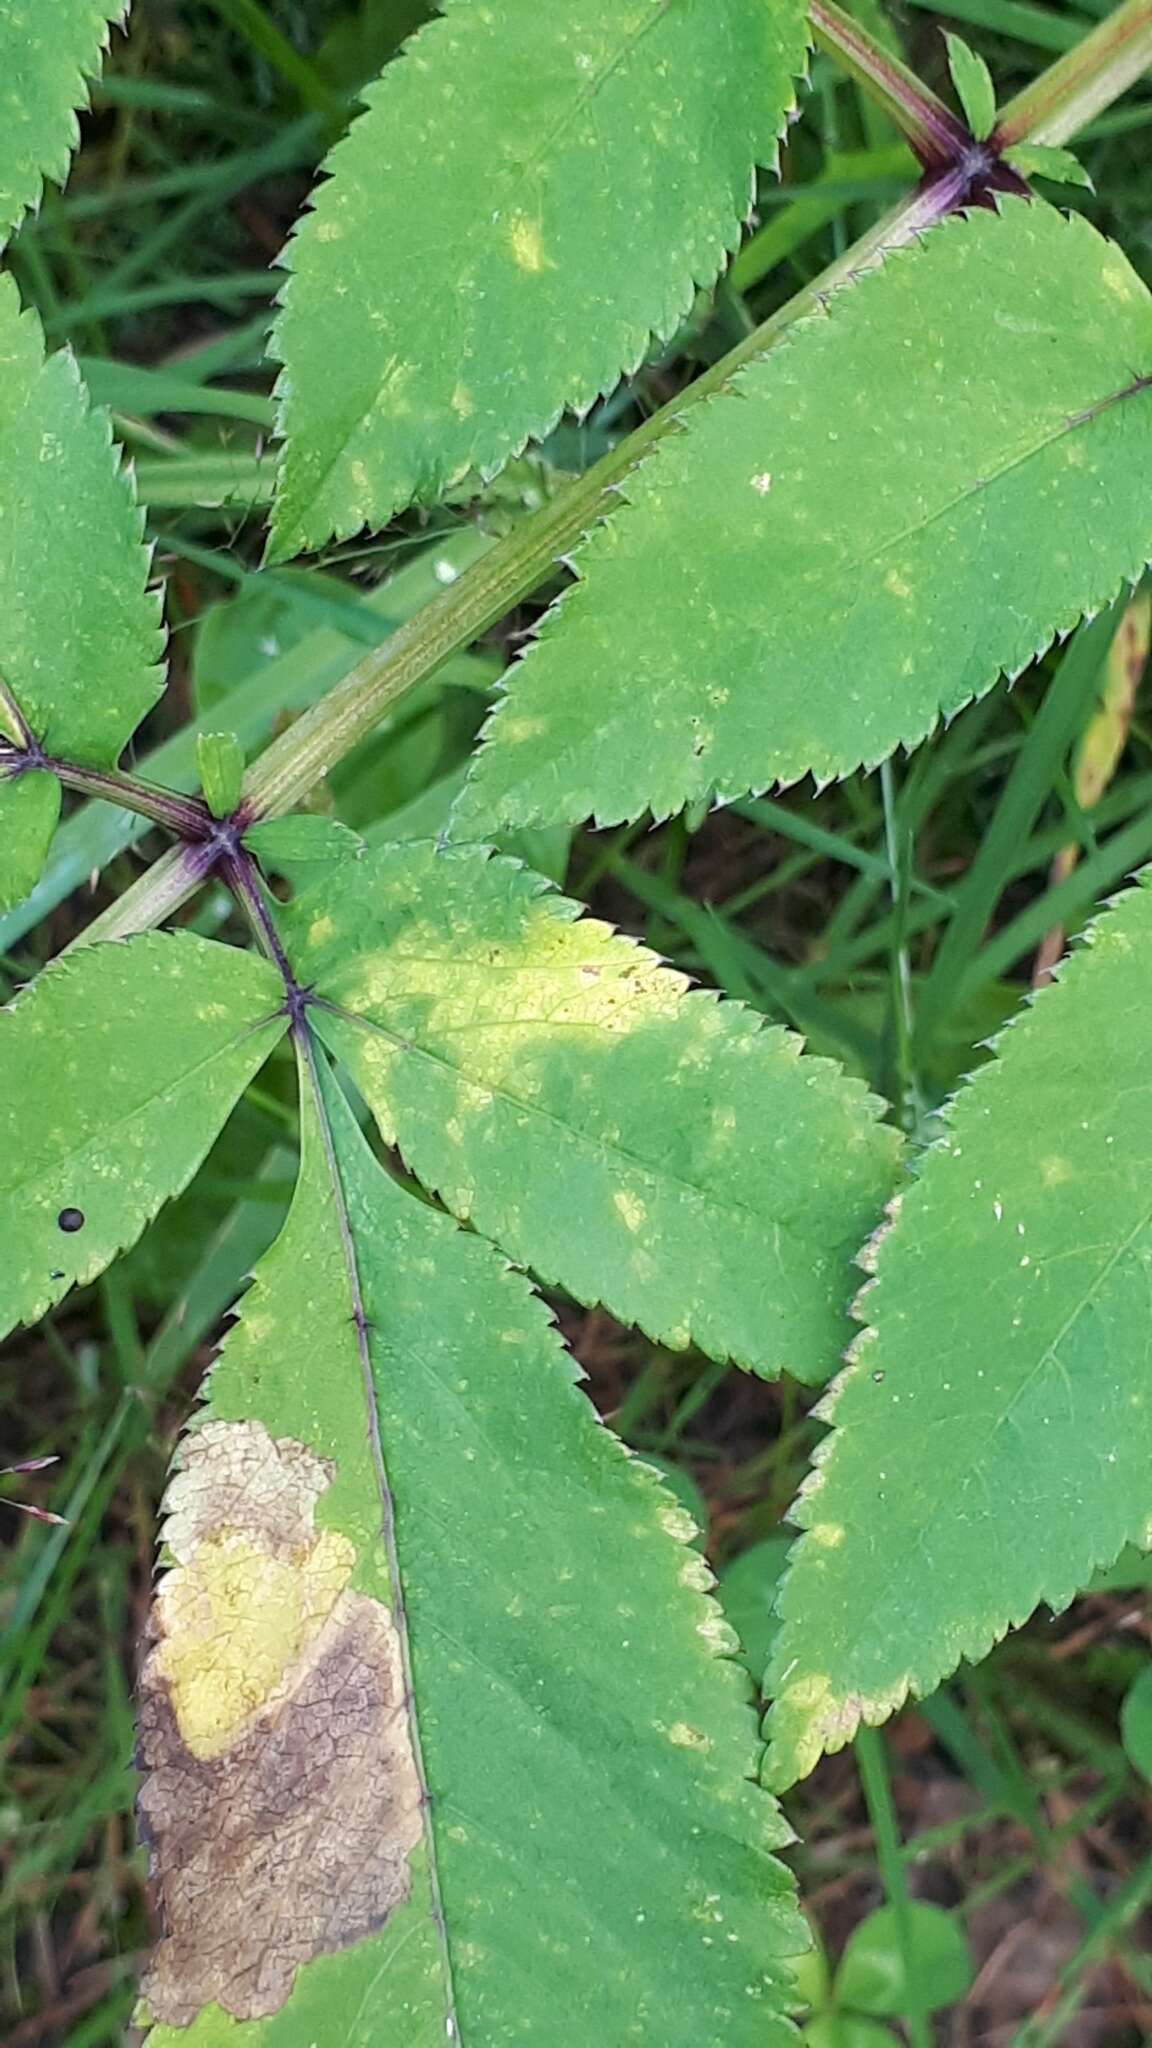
933	132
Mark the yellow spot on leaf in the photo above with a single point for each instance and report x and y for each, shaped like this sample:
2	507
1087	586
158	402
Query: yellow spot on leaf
235	1623
685	1737
1055	1170
527	243
678	1522
630	1209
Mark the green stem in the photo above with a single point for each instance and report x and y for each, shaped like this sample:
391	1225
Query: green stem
169	882
1071	93
21	752
872	1760
249	20
905	1093
184	816
933	131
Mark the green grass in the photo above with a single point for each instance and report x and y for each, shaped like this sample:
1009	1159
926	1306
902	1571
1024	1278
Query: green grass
894	919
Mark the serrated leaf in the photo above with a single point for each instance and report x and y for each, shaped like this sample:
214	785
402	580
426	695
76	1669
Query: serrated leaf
1131	1572
993	1436
120	1064
302	848
907	497
555	182
49	50
29	809
974	88
79	634
220	760
436	1741
657	1150
1040	160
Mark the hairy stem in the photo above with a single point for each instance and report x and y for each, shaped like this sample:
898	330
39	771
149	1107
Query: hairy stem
20	752
169	882
1083	82
1070	92
184	816
937	137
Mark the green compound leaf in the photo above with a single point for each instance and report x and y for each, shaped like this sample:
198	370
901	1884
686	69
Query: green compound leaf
437	1742
120	1065
657	1150
49	50
553	181
993	1436
79	631
846	547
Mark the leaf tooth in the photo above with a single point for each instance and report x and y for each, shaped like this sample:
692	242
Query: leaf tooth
595	358
818	1711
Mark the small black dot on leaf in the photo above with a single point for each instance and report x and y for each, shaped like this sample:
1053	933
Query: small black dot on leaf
71	1220
57	1273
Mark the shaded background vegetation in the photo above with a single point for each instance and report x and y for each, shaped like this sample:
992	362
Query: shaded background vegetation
896	920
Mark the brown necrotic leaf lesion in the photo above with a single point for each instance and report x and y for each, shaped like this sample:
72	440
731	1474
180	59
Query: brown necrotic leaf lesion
280	1795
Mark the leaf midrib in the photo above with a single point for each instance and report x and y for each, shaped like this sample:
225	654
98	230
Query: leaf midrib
1082	421
311	1076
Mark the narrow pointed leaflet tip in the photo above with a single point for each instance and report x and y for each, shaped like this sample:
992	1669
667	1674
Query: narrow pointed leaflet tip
49	52
80	632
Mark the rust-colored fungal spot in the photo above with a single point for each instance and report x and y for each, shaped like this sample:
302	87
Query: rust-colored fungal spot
280	1797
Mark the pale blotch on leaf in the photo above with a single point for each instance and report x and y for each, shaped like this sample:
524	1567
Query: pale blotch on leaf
808	1719
281	1797
527	243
